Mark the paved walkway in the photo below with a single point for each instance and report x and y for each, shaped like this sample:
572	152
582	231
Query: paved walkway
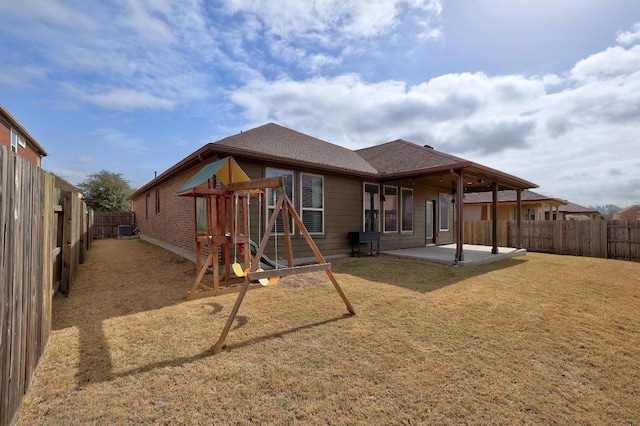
472	254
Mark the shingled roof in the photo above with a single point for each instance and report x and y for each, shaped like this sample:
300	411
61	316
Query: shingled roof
398	159
400	156
576	208
274	142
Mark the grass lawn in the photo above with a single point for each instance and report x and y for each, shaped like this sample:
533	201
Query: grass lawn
540	339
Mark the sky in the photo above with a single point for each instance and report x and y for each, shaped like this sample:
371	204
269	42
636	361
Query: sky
547	90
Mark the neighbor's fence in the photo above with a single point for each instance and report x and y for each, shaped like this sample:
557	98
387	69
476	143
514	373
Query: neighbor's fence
615	239
105	224
39	227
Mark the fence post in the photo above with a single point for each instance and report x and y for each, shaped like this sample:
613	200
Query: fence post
67	232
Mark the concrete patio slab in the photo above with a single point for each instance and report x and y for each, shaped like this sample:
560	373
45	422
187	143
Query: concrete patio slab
473	254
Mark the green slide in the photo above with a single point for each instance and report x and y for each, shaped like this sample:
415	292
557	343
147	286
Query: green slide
264	259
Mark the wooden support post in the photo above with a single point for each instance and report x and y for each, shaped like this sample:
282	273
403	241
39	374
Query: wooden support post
518	218
460	217
494	219
287	237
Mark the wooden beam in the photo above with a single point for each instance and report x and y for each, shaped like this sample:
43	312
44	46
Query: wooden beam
271	182
284	272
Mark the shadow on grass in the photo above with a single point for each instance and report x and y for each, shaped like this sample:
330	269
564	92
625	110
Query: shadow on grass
178	362
416	275
122	278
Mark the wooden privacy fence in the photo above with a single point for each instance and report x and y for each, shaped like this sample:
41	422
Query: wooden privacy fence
41	231
615	239
105	224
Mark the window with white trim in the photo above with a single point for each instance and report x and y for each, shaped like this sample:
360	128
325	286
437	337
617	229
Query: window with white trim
444	212
406	201
390	206
272	197
22	142
312	202
530	214
371	207
14	141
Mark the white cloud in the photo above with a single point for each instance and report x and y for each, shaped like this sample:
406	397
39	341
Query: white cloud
151	53
536	127
609	63
84	159
299	33
127	99
630	37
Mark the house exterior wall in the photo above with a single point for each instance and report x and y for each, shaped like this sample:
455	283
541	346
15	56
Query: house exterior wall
26	151
174	225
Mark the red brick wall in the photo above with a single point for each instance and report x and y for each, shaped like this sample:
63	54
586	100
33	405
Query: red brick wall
25	152
174	223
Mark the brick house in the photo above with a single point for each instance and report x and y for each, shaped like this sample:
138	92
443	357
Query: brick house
630	213
410	194
15	137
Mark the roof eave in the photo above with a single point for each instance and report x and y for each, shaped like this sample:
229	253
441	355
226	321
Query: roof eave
30	139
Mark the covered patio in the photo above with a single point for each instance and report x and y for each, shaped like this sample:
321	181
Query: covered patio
446	254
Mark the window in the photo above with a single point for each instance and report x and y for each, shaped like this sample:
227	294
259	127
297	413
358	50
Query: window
371	202
158	201
390	204
407	209
312	204
201	213
14	141
444	212
271	202
22	142
530	214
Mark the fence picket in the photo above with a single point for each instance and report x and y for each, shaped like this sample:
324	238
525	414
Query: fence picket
28	236
615	239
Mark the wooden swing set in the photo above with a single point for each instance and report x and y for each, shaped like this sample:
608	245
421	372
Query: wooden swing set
223	221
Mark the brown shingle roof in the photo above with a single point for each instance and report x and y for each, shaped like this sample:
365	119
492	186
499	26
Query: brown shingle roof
508	195
272	141
391	160
400	156
575	208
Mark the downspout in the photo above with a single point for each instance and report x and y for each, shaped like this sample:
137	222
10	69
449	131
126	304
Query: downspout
459	214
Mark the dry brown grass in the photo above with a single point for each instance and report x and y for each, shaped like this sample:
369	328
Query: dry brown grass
541	339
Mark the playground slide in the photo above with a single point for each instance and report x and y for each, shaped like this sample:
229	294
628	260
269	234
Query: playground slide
264	259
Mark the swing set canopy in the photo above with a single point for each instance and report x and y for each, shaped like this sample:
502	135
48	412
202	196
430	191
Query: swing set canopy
226	170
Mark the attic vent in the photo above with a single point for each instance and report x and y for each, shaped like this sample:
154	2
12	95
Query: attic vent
428	146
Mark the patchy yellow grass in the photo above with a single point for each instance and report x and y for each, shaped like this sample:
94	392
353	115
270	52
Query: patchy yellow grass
541	339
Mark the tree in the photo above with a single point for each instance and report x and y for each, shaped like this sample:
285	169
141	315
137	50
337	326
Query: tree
607	211
106	192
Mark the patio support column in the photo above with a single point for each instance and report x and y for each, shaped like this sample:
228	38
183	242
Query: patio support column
460	217
494	218
518	218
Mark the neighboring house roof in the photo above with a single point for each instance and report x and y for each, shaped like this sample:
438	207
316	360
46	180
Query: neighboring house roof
576	209
31	141
508	196
393	160
629	212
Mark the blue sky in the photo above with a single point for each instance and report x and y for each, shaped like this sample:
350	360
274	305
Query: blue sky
546	90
